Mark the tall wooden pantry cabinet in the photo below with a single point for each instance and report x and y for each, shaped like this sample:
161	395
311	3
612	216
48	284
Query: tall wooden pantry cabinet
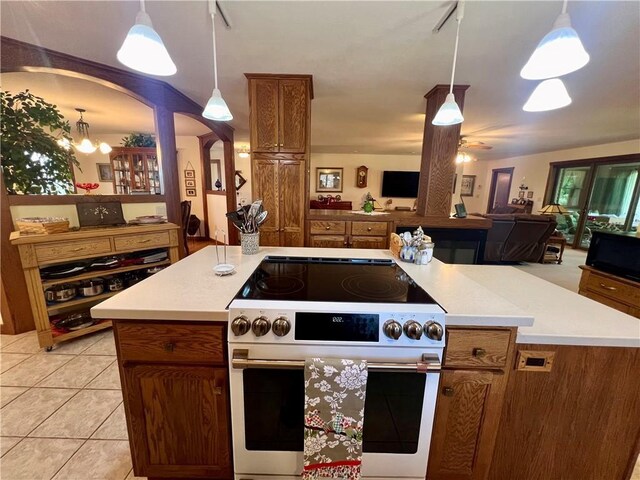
280	122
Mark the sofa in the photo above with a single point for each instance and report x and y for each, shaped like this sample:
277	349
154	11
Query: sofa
519	237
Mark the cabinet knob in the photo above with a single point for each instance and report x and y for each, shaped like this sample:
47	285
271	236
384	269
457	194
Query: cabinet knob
327	228
282	144
275	145
447	391
369	229
169	347
479	352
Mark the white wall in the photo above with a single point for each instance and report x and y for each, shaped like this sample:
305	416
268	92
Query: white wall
189	157
376	165
534	169
217	208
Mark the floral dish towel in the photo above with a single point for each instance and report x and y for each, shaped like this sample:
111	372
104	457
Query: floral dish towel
335	391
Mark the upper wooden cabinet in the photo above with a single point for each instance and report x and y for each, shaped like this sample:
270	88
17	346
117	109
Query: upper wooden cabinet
280	110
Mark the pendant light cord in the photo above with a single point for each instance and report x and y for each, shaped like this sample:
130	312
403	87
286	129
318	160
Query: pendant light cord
564	6
212	9
459	17
142	9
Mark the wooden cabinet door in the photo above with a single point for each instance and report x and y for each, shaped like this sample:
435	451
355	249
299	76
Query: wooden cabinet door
264	115
463	400
293	115
291	177
183	410
368	242
265	187
327	241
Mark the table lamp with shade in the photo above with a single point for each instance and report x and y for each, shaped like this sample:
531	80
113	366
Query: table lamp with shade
553	209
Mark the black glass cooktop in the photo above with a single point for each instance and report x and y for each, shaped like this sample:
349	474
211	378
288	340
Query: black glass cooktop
332	280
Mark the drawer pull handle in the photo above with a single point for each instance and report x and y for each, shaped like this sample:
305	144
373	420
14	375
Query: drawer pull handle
607	287
147	240
169	347
447	391
479	352
327	228
369	229
77	249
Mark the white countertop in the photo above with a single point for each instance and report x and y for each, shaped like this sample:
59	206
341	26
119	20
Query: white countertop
472	295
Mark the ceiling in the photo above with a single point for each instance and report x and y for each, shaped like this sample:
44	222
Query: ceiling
372	63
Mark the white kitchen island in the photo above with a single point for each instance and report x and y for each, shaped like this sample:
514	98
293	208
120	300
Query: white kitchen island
472	295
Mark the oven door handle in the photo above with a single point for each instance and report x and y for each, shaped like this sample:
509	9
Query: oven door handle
430	364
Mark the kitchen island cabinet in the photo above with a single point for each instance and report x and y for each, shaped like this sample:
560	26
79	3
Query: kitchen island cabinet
175	387
573	411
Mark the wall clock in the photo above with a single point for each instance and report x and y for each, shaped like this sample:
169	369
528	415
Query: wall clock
361	176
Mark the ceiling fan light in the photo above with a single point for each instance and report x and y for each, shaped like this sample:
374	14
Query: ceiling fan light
105	148
560	52
463	157
216	108
85	146
549	95
449	113
144	51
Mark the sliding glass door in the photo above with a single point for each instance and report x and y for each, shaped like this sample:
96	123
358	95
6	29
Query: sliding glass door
598	195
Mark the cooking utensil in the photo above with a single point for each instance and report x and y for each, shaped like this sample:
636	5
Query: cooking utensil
65	270
76	321
91	288
60	293
261	217
114	284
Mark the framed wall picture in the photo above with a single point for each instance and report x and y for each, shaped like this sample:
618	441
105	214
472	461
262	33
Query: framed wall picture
521	194
191	192
329	179
189	174
467	185
105	172
190	182
530	194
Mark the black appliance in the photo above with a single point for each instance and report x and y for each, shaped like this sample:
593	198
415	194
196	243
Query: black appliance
400	184
615	253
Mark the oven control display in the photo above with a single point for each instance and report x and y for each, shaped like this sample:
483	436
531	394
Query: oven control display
337	327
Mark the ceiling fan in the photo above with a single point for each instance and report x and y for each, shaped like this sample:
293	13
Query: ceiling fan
463	143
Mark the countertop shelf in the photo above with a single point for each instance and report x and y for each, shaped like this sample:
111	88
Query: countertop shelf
53	309
102	273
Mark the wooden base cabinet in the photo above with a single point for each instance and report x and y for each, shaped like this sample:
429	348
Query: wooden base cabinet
338	234
472	388
611	290
176	393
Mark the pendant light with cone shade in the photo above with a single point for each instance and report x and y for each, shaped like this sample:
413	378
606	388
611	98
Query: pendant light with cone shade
449	113
216	108
143	49
560	52
549	95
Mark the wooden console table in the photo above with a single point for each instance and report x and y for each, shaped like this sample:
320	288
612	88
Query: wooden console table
38	251
616	292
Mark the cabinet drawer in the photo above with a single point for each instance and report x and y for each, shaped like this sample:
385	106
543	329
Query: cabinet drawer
170	342
368	242
369	228
613	289
609	302
132	242
74	249
477	348
318	227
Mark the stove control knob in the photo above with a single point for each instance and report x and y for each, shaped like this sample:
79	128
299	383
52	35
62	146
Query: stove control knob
261	326
240	325
281	326
433	330
413	330
392	329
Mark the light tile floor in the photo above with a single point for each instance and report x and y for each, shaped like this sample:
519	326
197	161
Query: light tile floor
61	413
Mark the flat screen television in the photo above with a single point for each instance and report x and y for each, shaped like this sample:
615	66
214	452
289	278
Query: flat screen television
400	184
616	254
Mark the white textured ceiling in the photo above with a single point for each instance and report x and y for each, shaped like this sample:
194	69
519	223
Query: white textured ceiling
372	63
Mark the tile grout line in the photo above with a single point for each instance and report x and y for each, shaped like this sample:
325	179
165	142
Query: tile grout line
23	360
70	457
104	421
64	364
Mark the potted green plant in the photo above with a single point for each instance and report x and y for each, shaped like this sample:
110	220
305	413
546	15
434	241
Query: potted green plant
139	140
35	145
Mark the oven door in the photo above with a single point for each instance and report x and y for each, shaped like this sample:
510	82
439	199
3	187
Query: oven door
267	406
